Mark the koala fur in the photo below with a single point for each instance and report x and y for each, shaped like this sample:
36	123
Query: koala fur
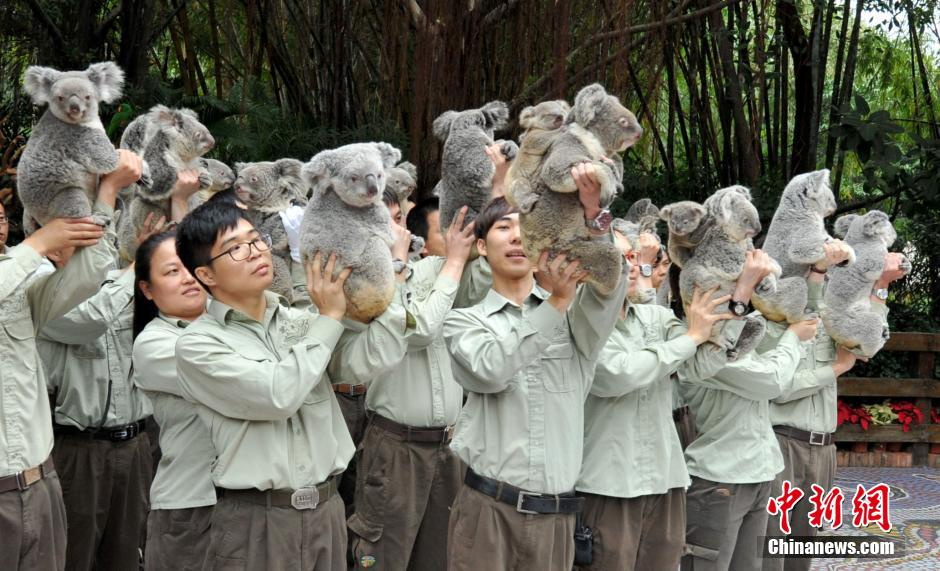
403	180
795	240
267	188
688	223
346	215
597	128
221	176
541	123
645	214
466	171
173	140
848	315
719	257
57	175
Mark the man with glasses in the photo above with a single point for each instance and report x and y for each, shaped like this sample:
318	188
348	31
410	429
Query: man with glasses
256	369
4	229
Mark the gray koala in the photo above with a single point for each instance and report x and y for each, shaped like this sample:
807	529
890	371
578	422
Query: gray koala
795	240
268	188
848	315
643	213
403	180
541	123
222	178
173	140
688	223
597	128
68	150
466	171
346	215
718	259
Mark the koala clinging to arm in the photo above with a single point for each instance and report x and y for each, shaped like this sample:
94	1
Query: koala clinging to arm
268	188
57	175
346	215
541	123
466	171
849	316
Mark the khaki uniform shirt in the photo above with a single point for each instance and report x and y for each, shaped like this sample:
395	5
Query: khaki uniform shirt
184	476
262	390
87	354
25	419
527	370
422	391
631	447
736	444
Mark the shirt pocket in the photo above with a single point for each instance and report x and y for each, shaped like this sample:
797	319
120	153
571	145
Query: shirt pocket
824	351
556	362
93	350
320	393
23	340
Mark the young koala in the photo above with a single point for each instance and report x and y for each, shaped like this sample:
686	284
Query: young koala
719	258
597	128
541	123
346	215
848	315
268	188
402	180
68	150
644	214
466	171
221	178
795	239
173	140
688	223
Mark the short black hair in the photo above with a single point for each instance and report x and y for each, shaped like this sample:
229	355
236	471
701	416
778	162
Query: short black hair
390	198
228	195
199	230
417	221
492	212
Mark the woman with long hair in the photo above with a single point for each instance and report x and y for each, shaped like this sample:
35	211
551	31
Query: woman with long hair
166	299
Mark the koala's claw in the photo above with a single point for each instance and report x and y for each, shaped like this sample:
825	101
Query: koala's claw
509	149
417	244
101	219
145	180
205	180
767	286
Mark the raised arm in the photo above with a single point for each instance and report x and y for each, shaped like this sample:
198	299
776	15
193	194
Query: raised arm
91	319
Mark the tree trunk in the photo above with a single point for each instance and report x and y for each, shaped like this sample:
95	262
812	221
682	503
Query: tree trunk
803	156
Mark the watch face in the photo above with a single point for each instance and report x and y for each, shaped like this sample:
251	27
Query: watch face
738	308
646	270
881	294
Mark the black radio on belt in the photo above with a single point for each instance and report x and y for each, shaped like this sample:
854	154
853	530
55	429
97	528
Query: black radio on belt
583	543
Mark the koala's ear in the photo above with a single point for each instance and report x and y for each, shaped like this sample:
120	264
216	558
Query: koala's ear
587	103
843	223
288	167
38	83
496	114
390	155
107	78
874	221
319	170
163	115
442	124
526	117
409	168
564	106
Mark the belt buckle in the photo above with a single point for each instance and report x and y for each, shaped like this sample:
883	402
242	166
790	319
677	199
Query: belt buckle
356	390
305	498
120	435
448	434
520	499
28	477
813	441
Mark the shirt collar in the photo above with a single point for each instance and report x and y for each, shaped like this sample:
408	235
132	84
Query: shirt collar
222	312
495	302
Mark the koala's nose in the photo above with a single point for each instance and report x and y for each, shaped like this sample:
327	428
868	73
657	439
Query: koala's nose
210	141
372	185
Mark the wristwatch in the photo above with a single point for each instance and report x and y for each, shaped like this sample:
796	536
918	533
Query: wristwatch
738	308
646	270
602	222
881	293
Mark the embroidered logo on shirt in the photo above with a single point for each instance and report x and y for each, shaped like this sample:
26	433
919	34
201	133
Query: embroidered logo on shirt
293	330
366	561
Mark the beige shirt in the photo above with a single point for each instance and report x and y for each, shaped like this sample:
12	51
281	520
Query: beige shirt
263	392
87	355
25	419
183	478
527	370
421	391
631	447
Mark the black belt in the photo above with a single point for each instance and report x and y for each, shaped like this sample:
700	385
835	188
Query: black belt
814	438
524	502
441	434
301	499
112	433
23	480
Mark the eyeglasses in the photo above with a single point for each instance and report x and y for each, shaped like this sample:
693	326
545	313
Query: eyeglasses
4	220
241	251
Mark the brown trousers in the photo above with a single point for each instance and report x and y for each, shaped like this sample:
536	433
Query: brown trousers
724	524
106	487
247	536
804	465
487	534
403	499
178	539
354	413
32	527
646	532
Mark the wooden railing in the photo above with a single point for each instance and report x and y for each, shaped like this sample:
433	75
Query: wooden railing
922	387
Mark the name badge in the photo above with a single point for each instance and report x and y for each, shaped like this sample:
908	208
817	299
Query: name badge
305	498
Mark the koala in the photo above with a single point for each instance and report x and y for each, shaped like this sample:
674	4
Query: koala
57	175
403	180
221	178
173	140
795	240
346	215
268	188
848	315
466	171
643	213
596	129
541	123
718	259
688	222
